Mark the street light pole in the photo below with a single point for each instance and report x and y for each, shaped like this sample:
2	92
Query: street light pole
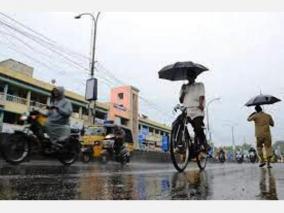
92	68
207	116
95	23
233	137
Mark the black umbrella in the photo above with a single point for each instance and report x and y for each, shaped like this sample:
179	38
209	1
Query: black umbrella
180	70
262	99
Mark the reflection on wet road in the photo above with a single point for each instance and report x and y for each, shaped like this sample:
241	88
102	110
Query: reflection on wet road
138	181
267	185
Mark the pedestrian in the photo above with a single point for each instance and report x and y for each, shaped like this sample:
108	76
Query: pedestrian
262	121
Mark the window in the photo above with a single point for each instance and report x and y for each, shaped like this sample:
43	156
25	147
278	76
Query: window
2	86
76	108
144	127
120	95
85	111
11	118
128	136
124	121
101	115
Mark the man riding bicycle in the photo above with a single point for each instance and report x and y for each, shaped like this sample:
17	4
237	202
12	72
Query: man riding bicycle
192	96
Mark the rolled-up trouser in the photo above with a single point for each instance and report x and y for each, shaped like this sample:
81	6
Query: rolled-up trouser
264	142
198	125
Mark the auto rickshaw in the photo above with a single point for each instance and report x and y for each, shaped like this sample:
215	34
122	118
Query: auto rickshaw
94	139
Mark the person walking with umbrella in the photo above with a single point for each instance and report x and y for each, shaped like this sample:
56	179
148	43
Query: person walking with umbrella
262	121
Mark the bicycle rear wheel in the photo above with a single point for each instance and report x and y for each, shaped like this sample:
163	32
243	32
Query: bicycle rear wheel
201	160
179	147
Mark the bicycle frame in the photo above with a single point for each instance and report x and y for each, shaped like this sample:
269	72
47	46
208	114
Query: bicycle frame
186	121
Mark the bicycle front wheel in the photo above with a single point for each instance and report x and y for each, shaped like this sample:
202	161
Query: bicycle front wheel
179	147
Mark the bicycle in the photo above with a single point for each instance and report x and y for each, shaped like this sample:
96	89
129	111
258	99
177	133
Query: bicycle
184	148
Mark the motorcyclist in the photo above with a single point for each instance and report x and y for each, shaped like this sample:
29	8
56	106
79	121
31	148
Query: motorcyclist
59	111
192	96
239	154
119	147
251	149
221	151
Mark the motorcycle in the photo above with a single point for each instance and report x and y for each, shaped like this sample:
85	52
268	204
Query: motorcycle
252	156
113	151
33	140
239	157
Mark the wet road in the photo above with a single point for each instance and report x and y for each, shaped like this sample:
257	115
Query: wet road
48	180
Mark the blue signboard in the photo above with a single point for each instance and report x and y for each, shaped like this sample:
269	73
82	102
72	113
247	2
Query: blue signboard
165	143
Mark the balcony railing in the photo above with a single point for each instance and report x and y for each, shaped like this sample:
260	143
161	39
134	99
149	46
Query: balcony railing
2	98
37	105
33	104
16	99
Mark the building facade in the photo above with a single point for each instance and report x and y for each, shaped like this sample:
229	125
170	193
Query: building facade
20	92
123	108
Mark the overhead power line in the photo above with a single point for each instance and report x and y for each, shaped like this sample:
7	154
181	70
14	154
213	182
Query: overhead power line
69	56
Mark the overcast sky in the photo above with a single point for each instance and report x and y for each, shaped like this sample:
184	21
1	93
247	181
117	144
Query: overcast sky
244	52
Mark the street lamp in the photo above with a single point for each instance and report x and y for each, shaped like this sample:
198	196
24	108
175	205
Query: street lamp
232	125
95	22
91	86
207	116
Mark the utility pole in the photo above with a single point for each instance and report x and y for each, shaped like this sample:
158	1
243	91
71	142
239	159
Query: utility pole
91	86
232	126
207	116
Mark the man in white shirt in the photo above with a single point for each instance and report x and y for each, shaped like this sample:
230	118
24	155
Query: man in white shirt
192	96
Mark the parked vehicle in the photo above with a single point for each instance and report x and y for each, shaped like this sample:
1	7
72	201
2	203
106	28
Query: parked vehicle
95	143
33	140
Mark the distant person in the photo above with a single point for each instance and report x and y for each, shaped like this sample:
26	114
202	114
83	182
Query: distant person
221	151
262	121
192	96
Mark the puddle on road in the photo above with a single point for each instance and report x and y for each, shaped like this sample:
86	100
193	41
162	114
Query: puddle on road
75	182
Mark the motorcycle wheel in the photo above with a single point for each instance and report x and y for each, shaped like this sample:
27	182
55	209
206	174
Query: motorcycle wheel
105	158
124	155
253	160
69	153
86	157
222	158
16	149
239	161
